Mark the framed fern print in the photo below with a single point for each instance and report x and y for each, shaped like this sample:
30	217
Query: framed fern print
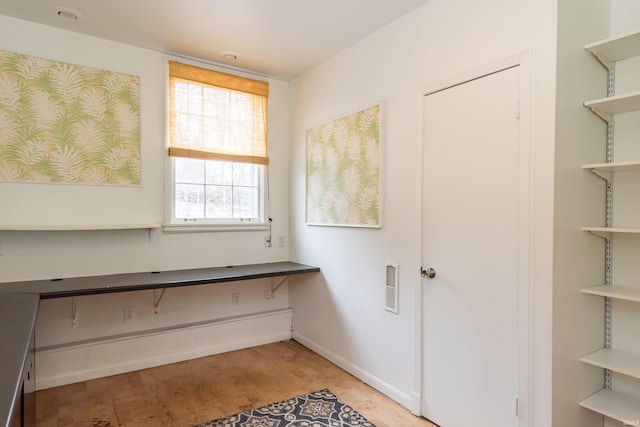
65	123
343	170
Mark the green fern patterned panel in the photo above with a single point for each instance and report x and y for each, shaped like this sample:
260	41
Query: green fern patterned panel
65	123
343	170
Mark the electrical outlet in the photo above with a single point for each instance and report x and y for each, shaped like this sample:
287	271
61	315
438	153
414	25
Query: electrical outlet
129	314
235	299
268	295
281	242
267	241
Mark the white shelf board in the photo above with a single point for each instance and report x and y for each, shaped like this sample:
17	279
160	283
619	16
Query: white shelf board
606	232
615	360
617	292
632	166
78	227
607	107
613	405
615	48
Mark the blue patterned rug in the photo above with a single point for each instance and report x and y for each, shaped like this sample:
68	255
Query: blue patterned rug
318	409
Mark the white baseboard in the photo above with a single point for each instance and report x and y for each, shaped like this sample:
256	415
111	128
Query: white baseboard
375	382
75	362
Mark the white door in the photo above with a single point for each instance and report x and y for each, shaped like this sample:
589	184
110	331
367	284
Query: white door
470	239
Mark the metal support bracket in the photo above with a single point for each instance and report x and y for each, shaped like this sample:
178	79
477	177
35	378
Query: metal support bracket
604	115
275	288
74	312
157	297
607	176
606	62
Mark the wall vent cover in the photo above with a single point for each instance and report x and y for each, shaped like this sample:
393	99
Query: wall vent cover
392	287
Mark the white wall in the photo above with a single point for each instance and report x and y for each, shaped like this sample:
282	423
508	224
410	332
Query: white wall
341	313
42	255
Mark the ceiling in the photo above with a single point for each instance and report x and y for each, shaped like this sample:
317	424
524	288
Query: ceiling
276	38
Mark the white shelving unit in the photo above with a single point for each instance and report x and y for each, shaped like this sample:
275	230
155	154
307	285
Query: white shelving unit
614	167
611	291
615	48
607	232
56	228
607	107
614	360
608	402
613	405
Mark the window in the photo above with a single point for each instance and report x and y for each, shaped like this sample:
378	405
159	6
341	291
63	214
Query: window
218	146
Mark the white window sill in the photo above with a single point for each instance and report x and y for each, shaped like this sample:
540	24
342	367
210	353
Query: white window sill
212	228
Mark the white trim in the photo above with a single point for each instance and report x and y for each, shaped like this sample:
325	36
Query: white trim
523	60
385	388
206	228
176	225
96	358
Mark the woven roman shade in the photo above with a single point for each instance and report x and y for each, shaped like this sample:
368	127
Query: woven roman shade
217	116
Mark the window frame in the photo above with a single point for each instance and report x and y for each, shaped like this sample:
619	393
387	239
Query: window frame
178	225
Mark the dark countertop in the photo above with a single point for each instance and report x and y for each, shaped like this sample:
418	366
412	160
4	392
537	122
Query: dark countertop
76	286
19	306
17	320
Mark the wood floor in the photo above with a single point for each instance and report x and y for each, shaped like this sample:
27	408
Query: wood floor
192	392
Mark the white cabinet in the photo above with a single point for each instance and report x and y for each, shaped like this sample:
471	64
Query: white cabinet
619	403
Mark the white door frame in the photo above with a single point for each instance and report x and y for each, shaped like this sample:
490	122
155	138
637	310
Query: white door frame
524	61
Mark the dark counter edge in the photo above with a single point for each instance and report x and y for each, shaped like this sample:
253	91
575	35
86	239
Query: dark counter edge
72	287
21	315
174	284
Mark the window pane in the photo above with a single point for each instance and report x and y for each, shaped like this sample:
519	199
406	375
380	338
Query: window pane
181	97
244	205
189	201
219	173
208	189
219	202
189	171
195	98
244	174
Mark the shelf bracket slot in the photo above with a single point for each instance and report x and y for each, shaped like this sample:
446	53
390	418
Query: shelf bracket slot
609	221
275	288
157	297
74	312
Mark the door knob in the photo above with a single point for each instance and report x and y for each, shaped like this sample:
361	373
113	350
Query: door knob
429	273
